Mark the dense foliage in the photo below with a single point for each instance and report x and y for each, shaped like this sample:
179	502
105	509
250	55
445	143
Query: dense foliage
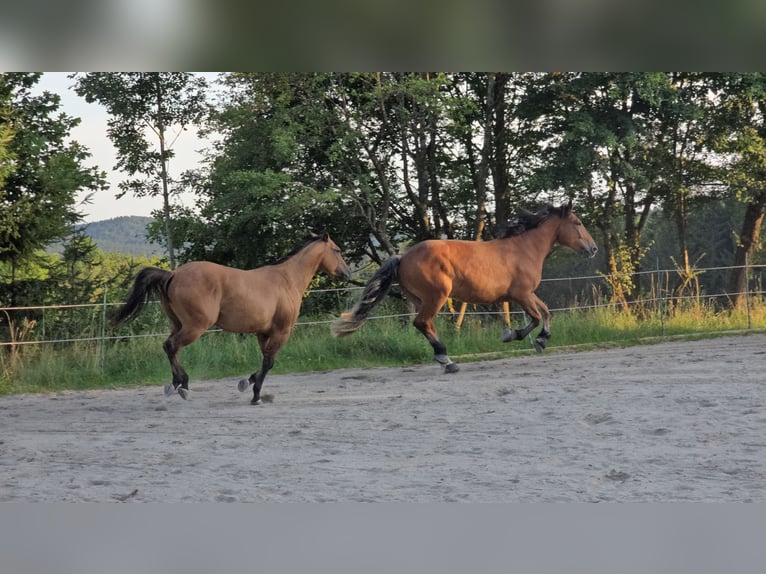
41	174
666	169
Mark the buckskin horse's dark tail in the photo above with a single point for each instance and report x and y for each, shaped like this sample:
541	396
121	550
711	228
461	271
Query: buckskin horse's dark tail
374	292
150	281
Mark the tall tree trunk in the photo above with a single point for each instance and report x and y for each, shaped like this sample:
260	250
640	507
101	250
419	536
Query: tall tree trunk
748	242
164	177
683	248
499	164
483	169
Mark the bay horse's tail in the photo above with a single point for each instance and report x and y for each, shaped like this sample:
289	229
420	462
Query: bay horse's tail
374	292
150	281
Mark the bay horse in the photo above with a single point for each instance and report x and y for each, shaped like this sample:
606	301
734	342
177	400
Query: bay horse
504	269
265	301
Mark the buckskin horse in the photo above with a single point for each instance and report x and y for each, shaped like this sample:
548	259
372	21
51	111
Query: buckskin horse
504	269
265	301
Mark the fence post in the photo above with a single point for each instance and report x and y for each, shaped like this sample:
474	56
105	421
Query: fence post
747	289
102	342
659	298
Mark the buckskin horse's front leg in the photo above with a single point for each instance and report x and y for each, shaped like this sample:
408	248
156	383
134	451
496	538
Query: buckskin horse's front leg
256	379
270	345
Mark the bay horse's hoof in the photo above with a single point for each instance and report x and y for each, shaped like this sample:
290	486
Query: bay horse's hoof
451	368
183	392
256	402
168	390
508	335
243	385
540	345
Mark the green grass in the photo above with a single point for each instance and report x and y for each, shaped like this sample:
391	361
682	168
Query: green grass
382	342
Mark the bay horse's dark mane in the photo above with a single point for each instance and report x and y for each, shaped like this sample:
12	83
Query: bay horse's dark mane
297	248
526	220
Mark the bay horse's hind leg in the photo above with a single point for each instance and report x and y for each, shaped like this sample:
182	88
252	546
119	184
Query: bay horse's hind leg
270	345
424	322
541	341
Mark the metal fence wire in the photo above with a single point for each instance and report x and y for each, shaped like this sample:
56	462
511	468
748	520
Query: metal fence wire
55	324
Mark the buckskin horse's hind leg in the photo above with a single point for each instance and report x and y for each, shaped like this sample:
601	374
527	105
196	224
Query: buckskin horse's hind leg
180	378
172	346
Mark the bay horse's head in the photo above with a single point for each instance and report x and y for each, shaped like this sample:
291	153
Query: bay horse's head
572	233
331	261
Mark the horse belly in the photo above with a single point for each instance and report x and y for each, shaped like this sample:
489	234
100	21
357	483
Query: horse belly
245	318
476	281
479	291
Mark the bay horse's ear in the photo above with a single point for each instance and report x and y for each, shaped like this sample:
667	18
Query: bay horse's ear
566	209
325	236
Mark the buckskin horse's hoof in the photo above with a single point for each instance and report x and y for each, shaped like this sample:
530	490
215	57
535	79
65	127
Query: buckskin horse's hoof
243	385
168	390
256	402
451	368
183	392
540	345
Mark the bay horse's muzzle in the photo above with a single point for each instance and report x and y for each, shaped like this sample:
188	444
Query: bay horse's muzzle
589	251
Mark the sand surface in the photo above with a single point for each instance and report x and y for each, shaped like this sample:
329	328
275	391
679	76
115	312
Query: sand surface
676	421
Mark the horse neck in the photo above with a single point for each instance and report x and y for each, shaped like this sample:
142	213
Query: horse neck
539	241
301	267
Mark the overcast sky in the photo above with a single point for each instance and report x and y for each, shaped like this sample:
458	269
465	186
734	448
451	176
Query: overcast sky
92	134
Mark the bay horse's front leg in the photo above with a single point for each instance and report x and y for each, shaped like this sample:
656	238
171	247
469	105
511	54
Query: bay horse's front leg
537	311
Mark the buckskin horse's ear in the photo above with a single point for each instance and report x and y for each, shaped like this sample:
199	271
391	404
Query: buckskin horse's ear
325	236
311	234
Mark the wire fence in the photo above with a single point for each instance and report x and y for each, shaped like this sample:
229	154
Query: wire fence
561	294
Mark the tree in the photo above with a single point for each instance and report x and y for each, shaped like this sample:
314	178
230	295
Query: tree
268	177
42	173
739	134
358	153
622	143
159	102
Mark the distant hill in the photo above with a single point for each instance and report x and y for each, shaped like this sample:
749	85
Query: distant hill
125	235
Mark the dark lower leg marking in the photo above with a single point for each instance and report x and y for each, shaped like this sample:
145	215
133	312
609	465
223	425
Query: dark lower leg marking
180	379
542	340
256	379
518	334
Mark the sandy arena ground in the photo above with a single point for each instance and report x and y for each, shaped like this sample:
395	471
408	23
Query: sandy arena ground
677	421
